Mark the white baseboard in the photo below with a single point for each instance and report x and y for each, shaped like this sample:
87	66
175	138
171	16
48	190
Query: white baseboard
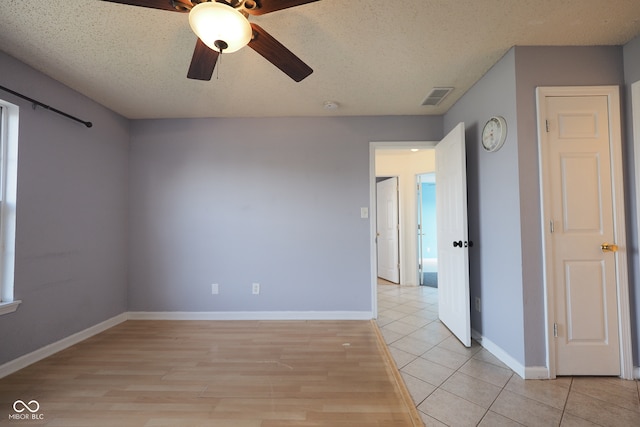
46	351
536	373
526	372
250	315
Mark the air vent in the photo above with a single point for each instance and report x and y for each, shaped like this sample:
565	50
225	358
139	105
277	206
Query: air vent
436	96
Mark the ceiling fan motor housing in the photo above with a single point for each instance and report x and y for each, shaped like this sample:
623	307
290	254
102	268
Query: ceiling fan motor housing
220	26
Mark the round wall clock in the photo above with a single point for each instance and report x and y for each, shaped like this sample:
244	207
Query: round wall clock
494	133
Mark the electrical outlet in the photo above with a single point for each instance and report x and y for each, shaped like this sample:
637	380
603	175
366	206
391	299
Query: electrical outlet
478	306
255	290
214	289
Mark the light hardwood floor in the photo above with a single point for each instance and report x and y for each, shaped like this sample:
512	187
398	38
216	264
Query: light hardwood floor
213	373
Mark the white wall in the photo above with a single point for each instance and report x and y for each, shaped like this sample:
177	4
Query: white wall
406	165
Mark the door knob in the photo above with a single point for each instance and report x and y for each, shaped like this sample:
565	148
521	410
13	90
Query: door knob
457	244
609	247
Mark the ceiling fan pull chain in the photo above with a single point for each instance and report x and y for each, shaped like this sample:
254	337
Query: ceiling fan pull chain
221	45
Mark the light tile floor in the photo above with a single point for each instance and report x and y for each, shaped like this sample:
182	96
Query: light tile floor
452	385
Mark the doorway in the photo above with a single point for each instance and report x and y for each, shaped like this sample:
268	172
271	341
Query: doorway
586	283
453	266
427	230
402	163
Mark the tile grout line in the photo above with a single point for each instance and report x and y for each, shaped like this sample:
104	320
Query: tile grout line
393	301
566	401
457	370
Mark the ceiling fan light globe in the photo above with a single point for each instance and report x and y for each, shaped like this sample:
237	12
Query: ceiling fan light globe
213	21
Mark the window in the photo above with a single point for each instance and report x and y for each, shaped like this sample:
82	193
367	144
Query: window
8	177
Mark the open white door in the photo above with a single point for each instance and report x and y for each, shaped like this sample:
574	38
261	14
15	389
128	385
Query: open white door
453	242
388	237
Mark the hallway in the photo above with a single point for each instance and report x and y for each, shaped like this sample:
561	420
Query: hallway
456	386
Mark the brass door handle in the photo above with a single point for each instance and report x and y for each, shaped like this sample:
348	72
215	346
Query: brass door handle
609	247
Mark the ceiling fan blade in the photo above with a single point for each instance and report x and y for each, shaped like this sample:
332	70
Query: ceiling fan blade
273	51
203	62
158	4
267	6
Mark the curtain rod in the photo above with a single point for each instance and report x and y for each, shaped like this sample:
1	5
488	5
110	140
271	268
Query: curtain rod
45	106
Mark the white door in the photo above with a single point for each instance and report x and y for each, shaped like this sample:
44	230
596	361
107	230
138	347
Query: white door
453	242
578	190
387	230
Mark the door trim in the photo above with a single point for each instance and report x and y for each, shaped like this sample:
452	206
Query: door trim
373	146
420	230
615	136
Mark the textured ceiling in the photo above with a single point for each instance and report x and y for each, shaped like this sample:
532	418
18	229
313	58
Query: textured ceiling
373	57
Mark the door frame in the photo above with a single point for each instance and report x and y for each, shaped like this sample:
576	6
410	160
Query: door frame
635	124
373	146
420	230
622	288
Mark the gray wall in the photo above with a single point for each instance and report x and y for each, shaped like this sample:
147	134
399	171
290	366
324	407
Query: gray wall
506	264
71	248
274	201
494	209
547	66
631	53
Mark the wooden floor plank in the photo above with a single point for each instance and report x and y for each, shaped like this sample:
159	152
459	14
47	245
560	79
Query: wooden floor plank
205	373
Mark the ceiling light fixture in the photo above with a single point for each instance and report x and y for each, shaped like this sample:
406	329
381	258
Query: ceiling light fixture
220	26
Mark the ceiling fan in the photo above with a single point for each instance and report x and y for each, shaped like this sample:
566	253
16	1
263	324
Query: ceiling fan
230	32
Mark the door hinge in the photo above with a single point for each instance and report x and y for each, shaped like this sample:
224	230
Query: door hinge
555	330
546	124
